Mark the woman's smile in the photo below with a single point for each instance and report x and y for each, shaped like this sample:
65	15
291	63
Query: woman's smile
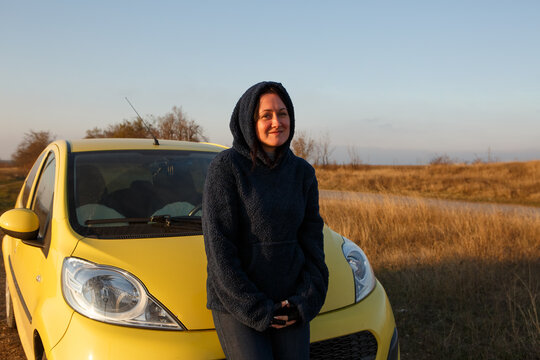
273	124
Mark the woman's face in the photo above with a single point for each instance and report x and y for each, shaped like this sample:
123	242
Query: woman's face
273	122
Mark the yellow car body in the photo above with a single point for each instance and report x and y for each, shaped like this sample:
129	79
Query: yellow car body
171	269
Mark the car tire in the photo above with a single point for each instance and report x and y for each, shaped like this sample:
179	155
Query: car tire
10	316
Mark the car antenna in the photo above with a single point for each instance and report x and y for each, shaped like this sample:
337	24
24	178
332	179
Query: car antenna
156	142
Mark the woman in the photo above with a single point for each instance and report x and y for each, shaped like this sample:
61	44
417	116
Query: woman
267	278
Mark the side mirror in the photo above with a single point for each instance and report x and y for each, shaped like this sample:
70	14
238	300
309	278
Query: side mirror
20	223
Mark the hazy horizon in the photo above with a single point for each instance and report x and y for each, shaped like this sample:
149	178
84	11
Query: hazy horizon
341	154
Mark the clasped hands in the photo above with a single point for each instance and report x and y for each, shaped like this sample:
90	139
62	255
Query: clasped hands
285	314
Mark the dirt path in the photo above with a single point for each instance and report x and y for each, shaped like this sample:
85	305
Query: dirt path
451	204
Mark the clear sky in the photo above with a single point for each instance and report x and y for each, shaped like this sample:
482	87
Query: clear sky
397	81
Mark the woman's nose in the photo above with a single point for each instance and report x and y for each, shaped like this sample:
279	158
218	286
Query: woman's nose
275	120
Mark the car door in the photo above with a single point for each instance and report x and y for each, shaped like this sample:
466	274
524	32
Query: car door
28	257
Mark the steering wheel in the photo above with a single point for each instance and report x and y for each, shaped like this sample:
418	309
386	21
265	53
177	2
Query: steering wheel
193	211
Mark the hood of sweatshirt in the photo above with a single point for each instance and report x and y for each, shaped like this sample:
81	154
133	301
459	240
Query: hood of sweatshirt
242	123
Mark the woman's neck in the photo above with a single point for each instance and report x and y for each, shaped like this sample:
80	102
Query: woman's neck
271	155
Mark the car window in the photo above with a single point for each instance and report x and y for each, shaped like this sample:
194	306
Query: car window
136	185
43	199
30	180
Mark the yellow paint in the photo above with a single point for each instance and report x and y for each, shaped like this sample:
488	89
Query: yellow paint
142	144
173	269
19	220
103	341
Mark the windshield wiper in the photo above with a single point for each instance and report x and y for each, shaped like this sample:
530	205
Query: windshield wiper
165	220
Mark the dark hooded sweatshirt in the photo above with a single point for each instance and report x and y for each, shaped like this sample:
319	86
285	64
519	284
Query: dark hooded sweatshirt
262	228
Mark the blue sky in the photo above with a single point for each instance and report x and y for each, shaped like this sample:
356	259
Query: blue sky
397	81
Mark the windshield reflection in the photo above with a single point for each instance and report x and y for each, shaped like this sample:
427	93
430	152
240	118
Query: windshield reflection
135	185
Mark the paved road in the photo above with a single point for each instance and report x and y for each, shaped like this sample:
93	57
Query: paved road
485	207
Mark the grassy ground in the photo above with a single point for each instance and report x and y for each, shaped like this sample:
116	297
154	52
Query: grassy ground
512	183
463	284
10	346
11	180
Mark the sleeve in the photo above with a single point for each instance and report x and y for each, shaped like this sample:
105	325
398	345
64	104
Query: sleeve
226	278
313	285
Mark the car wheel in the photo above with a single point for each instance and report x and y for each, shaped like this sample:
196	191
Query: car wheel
10	316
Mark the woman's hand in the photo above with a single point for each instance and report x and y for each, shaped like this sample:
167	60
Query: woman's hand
282	319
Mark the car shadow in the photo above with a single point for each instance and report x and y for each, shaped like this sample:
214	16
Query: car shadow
466	308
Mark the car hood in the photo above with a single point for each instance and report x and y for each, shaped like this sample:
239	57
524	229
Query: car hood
173	269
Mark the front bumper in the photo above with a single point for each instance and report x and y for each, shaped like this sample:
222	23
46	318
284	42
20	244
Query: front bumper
89	339
365	328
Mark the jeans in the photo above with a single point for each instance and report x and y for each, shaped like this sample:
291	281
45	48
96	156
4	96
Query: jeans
242	342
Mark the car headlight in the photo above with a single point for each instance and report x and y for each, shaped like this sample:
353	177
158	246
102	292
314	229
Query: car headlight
112	295
364	278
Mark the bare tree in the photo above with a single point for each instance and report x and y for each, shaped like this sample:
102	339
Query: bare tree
176	126
354	156
173	125
125	129
442	160
304	146
95	133
30	147
324	150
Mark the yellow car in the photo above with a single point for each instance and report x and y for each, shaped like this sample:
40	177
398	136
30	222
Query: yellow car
104	259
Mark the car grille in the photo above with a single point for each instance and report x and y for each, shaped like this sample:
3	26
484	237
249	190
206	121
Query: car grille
361	345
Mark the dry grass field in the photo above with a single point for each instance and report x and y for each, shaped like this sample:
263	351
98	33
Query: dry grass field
514	183
10	183
463	283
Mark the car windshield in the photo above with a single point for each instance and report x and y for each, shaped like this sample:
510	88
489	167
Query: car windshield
137	193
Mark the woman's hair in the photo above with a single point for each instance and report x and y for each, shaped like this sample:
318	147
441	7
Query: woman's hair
258	147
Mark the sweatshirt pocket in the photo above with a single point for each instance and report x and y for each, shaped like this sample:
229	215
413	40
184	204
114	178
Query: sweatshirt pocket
275	267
